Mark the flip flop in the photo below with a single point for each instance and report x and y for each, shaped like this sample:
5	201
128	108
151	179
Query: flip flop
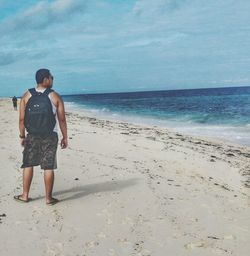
53	201
18	198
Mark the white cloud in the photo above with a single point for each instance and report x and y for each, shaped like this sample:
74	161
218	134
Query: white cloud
43	14
6	58
236	80
157	41
149	7
60	5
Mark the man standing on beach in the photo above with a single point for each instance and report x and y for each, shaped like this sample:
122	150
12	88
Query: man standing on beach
40	110
14	101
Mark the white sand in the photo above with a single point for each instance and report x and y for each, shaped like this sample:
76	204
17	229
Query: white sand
127	190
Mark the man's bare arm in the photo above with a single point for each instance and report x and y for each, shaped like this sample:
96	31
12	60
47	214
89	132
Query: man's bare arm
22	114
61	118
21	117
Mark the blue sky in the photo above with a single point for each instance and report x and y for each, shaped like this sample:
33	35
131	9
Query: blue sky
124	45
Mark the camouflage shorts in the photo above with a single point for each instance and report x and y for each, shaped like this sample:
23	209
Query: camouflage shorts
40	151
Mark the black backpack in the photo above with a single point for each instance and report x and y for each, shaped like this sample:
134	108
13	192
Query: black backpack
39	117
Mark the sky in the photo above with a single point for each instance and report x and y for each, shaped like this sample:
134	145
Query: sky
96	46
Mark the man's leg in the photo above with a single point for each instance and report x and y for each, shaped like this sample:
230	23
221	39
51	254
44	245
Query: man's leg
49	182
27	178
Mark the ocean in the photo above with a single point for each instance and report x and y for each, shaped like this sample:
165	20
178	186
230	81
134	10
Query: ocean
214	112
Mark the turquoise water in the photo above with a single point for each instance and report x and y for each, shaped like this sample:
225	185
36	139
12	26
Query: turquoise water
220	112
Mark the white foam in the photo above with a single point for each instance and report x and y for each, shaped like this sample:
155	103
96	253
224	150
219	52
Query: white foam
238	134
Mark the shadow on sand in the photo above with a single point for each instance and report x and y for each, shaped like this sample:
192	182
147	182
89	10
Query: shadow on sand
81	191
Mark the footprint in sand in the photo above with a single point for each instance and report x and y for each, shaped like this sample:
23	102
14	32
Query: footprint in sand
138	247
112	252
127	220
106	212
101	235
109	221
53	248
37	209
91	244
193	245
123	241
228	237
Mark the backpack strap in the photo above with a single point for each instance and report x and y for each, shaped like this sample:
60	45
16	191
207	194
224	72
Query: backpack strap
48	91
33	91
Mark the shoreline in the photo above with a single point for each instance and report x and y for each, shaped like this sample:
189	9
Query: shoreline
226	148
87	113
174	126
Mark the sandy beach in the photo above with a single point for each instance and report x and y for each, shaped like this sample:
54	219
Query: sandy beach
126	190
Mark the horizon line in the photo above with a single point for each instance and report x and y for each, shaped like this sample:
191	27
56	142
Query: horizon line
185	89
119	92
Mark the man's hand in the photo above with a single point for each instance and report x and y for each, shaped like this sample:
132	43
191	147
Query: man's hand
22	142
64	143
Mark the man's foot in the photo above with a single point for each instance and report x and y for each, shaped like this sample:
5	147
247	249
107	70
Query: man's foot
19	198
52	201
